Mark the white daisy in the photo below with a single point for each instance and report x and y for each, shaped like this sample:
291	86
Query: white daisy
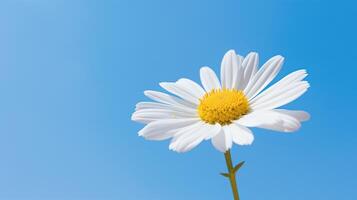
223	110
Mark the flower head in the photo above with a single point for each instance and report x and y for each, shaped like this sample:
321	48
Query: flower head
223	110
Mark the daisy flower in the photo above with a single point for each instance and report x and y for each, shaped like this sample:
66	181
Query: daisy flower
224	110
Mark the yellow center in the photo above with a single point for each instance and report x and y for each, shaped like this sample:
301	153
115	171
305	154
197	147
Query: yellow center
223	106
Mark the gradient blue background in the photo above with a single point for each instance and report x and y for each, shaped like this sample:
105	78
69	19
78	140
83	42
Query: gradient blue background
72	71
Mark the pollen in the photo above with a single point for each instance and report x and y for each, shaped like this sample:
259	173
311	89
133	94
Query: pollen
223	106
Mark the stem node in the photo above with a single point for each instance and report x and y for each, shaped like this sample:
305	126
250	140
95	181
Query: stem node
232	173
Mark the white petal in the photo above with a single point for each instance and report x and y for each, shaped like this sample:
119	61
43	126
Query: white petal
186	140
238	74
250	66
155	105
223	140
168	99
191	86
282	96
298	114
207	133
146	117
270	119
180	91
279	88
229	69
209	79
150	105
264	76
240	134
150	115
293	77
240	58
163	129
187	134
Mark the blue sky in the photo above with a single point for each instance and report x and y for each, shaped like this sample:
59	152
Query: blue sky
72	71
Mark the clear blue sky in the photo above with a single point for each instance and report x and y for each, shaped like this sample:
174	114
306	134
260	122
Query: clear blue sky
71	72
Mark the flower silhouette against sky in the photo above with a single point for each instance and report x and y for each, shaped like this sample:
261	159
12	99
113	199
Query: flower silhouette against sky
222	111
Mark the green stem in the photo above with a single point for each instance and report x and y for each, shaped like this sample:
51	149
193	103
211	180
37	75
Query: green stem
232	174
